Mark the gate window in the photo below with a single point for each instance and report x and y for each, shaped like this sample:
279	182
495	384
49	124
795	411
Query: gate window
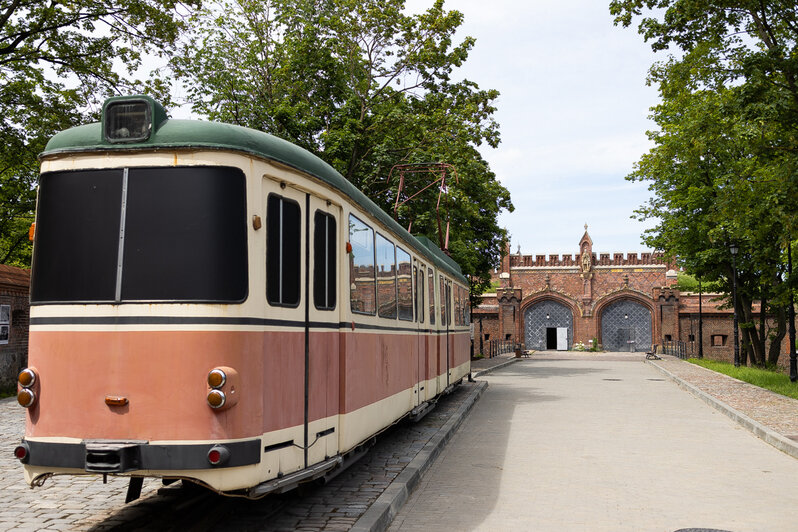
386	277
404	284
362	296
283	251
324	261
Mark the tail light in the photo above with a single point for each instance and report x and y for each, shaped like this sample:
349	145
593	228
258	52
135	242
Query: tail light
222	388
22	453
218	455
27	379
216	398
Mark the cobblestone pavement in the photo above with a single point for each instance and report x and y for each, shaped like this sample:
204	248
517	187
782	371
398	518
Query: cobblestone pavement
776	412
85	503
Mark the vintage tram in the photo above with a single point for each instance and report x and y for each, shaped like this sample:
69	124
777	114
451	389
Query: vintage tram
214	304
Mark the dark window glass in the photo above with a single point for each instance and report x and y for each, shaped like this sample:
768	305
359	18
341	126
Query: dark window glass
431	297
324	261
404	284
420	290
77	236
283	251
185	235
386	277
362	295
466	306
444	295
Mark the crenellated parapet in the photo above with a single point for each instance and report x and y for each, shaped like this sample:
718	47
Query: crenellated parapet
621	260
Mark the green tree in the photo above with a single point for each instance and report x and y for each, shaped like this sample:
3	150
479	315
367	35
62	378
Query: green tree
723	166
58	61
364	86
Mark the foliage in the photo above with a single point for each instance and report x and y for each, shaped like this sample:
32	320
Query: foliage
764	378
58	60
690	283
723	169
365	87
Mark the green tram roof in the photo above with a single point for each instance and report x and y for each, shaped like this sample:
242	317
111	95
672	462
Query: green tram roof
199	134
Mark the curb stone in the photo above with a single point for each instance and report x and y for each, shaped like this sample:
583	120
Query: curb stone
767	435
494	368
382	512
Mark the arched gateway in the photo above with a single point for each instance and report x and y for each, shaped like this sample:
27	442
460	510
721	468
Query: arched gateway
626	326
548	325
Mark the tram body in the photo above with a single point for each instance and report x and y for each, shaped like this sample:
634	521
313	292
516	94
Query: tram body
215	304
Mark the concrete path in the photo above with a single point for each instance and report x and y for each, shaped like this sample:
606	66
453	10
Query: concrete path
601	443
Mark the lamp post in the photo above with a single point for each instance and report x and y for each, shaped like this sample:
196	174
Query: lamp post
733	249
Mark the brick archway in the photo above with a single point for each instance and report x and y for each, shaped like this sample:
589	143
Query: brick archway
626	324
544	315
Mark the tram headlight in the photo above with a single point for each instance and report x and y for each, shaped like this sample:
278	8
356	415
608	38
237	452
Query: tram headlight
216	398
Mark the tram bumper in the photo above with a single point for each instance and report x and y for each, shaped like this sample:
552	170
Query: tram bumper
113	456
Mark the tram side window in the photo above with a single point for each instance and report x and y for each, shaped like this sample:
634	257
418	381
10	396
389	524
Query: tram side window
418	303
362	294
449	302
386	277
431	297
324	261
404	284
444	295
467	307
457	306
283	251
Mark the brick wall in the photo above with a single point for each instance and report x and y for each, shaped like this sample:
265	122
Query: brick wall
14	284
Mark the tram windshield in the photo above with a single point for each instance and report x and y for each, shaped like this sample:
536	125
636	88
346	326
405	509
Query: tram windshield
141	234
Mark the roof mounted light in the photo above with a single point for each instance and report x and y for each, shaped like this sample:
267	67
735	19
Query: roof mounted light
129	119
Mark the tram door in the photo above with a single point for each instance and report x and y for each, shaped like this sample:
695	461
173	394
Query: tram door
445	293
422	343
300	362
322	315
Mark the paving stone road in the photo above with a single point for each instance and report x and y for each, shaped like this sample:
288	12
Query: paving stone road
606	443
85	503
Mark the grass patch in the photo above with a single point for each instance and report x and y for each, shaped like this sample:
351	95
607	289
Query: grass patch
770	380
7	393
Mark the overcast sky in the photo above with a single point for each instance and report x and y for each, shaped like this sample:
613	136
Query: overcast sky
573	114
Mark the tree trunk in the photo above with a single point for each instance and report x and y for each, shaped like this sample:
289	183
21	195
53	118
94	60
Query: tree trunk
762	330
775	342
749	329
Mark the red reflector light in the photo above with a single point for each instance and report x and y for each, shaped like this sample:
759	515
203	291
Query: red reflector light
218	455
214	456
21	452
